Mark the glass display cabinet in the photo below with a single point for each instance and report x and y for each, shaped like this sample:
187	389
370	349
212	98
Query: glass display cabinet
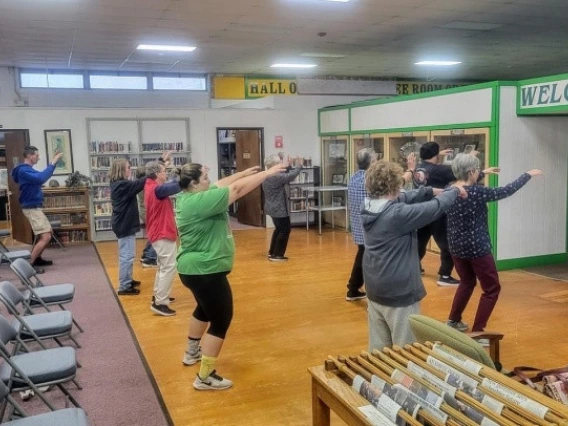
402	144
335	160
358	142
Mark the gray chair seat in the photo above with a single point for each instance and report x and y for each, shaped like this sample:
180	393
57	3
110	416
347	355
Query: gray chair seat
4	233
16	254
58	293
46	324
42	367
65	417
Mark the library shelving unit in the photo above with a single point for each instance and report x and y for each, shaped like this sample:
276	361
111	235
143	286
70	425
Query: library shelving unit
70	206
301	196
140	140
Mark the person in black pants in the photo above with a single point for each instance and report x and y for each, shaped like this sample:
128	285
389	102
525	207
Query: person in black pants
276	206
429	172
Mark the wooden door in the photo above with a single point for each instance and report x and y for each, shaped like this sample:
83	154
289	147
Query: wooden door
249	152
15	142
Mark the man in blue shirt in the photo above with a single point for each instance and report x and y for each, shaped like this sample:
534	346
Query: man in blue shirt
31	199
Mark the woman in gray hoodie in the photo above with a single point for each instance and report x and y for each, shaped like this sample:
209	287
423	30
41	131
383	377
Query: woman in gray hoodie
391	266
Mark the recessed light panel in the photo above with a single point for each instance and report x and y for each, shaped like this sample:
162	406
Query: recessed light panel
166	48
293	65
438	63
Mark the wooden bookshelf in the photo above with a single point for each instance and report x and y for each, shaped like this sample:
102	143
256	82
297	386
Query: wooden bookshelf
70	206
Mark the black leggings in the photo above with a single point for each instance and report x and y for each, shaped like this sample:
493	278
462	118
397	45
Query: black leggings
214	299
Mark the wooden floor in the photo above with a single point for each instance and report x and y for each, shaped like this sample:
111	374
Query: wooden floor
290	316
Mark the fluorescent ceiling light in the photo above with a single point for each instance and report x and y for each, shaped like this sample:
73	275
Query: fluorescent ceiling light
475	26
343	1
438	63
293	65
321	55
166	48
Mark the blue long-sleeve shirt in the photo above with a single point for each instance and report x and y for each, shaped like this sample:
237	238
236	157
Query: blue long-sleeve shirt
30	181
468	231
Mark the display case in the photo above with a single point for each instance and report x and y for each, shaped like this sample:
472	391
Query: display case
301	196
138	140
358	142
335	161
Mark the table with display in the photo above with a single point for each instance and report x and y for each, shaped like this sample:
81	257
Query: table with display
319	208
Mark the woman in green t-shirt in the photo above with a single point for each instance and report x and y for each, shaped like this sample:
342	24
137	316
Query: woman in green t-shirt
205	257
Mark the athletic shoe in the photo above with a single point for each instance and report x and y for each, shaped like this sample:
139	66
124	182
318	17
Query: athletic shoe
172	299
355	295
149	264
483	342
42	262
447	281
163	310
278	258
135	283
212	382
458	325
189	359
129	292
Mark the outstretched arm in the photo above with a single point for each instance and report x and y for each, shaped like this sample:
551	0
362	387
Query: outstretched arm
243	186
227	181
495	194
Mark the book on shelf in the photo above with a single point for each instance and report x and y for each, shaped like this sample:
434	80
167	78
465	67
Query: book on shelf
162	146
64	201
110	147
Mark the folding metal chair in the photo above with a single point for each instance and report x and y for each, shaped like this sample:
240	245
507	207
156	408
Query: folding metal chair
54	236
64	417
32	370
49	325
39	294
11	255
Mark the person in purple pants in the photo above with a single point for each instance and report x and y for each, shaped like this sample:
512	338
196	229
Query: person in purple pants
469	242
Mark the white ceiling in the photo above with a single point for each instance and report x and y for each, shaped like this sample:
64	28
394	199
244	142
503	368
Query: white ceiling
379	38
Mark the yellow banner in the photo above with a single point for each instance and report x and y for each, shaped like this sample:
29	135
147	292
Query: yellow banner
228	87
415	87
260	87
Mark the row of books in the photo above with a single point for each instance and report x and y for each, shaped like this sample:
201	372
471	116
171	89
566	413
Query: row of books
297	192
99	162
103	208
64	201
100	177
69	219
72	236
98	147
162	146
303	177
300	206
102	224
102	193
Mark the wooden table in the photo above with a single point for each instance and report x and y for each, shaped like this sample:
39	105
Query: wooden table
329	392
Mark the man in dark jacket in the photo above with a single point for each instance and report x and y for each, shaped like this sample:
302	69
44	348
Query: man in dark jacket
435	175
31	199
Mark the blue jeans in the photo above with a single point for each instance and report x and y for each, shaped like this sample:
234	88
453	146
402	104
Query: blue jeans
126	254
149	253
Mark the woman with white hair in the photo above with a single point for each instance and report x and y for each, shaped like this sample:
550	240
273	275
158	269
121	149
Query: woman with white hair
276	206
469	242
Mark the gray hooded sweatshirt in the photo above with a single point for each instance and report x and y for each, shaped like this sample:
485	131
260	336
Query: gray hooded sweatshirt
391	267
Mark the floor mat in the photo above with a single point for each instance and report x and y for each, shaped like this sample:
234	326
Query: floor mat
555	272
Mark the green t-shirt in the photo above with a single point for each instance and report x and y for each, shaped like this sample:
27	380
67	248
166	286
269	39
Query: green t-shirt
207	244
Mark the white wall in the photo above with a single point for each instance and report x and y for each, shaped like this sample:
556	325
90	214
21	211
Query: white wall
533	221
464	107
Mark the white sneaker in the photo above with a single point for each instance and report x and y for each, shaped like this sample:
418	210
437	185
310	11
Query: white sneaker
189	359
212	382
483	342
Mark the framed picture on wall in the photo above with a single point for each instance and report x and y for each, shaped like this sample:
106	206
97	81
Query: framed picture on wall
337	179
467	149
449	158
59	140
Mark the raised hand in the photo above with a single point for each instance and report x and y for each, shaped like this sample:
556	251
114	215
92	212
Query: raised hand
251	170
535	172
492	170
166	156
445	152
411	161
274	170
56	157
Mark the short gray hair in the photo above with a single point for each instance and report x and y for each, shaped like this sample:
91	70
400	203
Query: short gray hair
365	157
153	168
463	164
271	160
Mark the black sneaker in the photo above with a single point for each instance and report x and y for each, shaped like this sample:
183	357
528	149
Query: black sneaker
163	310
458	325
42	262
447	281
149	264
172	299
129	292
278	258
135	283
355	295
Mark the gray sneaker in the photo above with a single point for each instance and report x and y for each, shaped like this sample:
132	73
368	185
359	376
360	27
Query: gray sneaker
191	359
212	382
458	325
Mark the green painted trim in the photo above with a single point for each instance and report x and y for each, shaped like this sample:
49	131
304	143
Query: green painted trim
493	160
335	107
425	128
435	93
546	79
552	110
349	120
525	262
319	122
346	134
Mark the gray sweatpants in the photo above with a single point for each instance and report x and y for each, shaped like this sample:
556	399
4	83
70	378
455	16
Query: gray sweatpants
389	326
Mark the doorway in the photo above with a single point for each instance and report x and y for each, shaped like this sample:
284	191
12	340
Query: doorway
238	149
12	144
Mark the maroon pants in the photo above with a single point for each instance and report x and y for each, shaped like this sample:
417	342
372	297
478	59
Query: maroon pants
469	270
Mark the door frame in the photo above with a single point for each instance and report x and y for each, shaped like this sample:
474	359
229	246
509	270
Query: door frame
261	130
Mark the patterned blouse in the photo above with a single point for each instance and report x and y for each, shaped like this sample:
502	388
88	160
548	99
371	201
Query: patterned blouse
356	195
468	232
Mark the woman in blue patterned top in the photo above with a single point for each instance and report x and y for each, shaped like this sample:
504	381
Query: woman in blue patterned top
469	242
